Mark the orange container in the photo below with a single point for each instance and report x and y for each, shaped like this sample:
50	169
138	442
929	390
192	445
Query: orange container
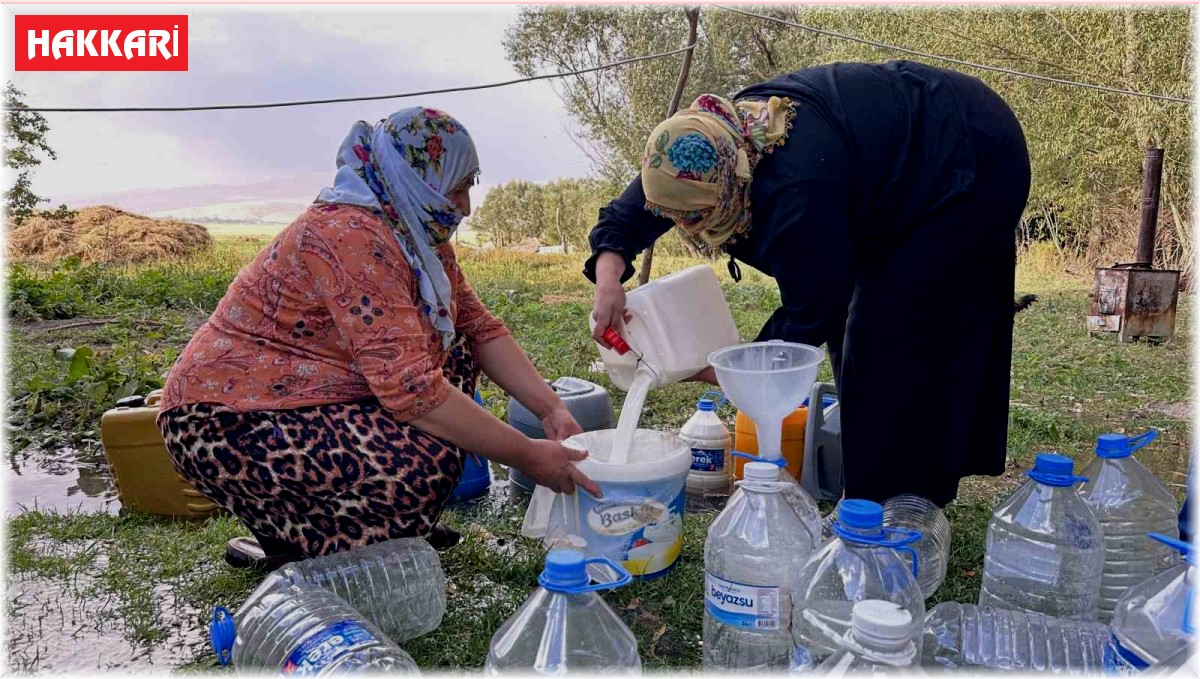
745	439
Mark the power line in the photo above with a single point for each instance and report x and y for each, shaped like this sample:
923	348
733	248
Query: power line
339	100
960	62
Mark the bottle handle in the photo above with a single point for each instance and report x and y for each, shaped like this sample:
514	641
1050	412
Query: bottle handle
1140	441
721	400
781	462
222	632
901	544
623	576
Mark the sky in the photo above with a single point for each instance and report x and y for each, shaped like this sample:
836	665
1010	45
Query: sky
248	54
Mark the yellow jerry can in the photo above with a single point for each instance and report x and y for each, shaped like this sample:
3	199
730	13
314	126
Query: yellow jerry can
137	455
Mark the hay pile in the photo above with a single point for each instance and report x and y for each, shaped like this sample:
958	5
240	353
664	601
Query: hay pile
105	234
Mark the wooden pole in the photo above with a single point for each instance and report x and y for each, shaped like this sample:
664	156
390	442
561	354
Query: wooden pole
693	16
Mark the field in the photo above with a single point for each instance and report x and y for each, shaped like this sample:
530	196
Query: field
90	588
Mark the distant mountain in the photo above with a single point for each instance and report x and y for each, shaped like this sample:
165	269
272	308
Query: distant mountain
281	212
298	189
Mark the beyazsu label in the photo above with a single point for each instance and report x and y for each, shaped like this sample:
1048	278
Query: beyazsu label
101	42
751	607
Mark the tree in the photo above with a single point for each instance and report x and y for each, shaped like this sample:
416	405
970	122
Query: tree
24	142
1086	146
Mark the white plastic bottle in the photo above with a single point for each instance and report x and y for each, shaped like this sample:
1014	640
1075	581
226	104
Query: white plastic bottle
1130	502
303	630
753	549
564	627
881	641
1154	621
860	562
398	584
709	439
1045	547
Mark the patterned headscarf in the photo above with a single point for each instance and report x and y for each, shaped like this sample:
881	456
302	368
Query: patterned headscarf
402	168
699	162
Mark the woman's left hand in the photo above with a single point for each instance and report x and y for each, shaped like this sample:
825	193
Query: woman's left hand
560	424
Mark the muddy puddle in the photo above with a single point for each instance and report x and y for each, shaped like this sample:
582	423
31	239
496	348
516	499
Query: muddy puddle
72	625
64	478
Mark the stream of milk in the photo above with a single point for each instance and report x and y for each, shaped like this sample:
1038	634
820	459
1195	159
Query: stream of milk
631	412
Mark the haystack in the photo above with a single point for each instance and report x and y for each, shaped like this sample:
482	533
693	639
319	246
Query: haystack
105	234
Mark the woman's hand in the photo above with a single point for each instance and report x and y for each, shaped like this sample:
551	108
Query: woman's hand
549	463
608	308
708	375
560	424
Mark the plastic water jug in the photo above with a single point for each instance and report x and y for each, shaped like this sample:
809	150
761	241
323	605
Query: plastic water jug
1130	502
564	627
588	402
1155	620
1045	548
141	466
933	548
398	585
967	636
752	551
861	562
800	501
709	440
303	630
677	321
476	475
639	520
880	642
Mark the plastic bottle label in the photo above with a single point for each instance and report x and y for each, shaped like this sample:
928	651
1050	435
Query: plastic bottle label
1121	660
708	459
754	607
324	647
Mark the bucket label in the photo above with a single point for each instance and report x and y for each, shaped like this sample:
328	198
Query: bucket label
323	648
622	517
754	607
708	459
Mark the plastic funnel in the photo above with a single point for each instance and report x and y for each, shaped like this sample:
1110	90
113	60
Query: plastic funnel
767	381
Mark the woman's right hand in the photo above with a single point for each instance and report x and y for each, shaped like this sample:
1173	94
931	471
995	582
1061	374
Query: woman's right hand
549	463
608	309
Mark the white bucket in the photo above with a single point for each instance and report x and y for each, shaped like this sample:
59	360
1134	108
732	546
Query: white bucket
639	521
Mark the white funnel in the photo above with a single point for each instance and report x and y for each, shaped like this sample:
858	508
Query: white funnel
767	381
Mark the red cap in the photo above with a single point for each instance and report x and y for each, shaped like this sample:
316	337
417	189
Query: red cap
615	340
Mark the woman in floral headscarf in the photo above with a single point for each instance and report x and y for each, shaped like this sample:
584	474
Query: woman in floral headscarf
327	401
883	199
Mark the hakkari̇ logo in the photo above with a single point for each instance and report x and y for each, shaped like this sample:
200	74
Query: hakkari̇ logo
121	42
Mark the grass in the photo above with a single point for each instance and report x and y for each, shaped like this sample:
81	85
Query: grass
157	580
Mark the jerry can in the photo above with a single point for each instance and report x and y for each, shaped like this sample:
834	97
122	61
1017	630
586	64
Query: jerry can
795	432
141	467
821	475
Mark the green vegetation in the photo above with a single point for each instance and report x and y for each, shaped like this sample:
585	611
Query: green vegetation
152	583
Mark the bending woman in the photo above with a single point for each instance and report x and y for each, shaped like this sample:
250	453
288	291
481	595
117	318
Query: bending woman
884	200
327	401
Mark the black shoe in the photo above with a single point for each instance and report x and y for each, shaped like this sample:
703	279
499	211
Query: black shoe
442	538
247	553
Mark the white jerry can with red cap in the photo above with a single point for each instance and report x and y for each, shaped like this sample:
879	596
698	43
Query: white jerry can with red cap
677	321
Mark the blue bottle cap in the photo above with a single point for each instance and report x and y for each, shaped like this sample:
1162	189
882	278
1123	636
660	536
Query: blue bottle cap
1055	470
860	514
706	405
1115	446
222	632
565	570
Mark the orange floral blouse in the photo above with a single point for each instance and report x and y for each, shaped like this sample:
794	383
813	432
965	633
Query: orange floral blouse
326	314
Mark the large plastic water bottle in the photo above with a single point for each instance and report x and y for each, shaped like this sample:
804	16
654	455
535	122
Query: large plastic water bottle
710	442
933	548
398	585
880	642
753	549
967	636
797	498
303	630
1130	502
1045	548
1153	621
860	563
564	626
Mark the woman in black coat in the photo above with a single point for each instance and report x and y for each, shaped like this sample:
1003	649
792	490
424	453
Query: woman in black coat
884	201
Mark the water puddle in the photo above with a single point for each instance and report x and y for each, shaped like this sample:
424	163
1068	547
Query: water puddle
64	478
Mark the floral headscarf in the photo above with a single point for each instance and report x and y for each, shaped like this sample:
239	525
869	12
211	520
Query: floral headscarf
402	168
699	162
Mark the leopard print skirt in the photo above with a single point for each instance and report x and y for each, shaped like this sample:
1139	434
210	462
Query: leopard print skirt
322	479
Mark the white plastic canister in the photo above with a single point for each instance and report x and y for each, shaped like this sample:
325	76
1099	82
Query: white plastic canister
677	321
639	520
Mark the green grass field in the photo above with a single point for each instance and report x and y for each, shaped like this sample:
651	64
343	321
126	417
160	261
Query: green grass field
144	587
